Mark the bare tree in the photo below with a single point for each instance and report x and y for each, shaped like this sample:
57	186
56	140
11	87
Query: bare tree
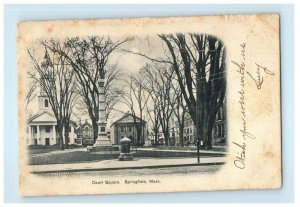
113	89
136	99
200	61
56	78
199	64
167	100
89	57
180	110
161	90
32	91
153	111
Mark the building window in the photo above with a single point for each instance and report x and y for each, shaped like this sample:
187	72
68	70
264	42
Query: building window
46	103
129	129
102	129
122	129
47	129
35	129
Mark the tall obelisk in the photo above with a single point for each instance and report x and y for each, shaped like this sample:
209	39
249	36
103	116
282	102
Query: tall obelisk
102	143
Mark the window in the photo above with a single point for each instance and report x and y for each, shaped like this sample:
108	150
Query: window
102	129
46	103
35	129
122	129
47	129
129	129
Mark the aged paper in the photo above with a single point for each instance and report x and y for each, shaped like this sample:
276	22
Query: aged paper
149	105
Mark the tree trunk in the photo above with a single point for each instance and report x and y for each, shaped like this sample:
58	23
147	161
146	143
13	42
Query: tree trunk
210	126
166	135
138	133
209	138
61	139
181	141
67	139
95	130
156	137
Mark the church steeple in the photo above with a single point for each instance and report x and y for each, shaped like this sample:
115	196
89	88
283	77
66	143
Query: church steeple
44	104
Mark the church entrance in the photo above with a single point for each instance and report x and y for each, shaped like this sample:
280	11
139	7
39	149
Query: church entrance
47	140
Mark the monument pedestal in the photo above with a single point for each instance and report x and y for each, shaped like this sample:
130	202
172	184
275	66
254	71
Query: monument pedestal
147	143
125	157
103	146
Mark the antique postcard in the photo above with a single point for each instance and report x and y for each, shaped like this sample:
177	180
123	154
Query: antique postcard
140	105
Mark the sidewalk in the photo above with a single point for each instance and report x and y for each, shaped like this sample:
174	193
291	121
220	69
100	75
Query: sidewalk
137	163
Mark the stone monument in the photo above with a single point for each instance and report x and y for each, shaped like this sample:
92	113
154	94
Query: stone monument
103	144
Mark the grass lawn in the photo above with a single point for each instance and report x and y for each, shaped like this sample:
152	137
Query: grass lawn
83	156
70	157
39	149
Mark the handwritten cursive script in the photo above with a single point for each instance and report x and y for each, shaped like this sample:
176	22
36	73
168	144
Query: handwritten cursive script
240	161
258	80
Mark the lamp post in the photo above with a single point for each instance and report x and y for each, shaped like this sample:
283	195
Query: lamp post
197	114
198	151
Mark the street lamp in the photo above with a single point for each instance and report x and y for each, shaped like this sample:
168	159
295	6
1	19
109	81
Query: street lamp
198	150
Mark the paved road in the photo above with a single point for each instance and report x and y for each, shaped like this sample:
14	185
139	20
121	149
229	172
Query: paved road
135	172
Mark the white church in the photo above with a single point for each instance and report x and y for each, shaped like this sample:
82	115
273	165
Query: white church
42	127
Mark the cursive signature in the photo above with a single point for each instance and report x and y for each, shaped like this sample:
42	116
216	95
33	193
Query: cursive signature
240	158
258	80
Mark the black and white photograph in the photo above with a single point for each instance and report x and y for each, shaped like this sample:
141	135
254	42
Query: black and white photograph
126	104
134	103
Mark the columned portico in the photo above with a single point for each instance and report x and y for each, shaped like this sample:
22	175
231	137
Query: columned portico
54	134
31	138
42	126
38	135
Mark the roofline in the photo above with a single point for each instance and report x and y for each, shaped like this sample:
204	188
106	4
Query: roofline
126	116
46	112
